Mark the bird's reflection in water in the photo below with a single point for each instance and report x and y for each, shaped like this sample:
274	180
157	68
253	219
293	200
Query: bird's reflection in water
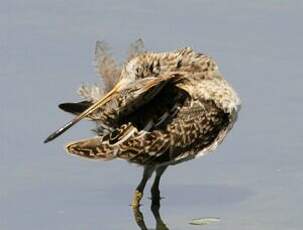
155	208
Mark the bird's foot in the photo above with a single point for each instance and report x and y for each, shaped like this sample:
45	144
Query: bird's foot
139	218
137	198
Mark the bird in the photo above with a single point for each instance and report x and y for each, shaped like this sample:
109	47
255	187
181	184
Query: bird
155	110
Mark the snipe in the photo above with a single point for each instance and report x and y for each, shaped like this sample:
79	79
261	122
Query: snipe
158	109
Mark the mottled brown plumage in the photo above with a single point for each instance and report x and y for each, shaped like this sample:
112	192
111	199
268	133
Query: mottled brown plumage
163	109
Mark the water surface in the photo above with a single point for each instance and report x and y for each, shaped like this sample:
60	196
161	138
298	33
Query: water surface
253	181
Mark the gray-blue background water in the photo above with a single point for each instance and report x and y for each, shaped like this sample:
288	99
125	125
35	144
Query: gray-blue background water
253	181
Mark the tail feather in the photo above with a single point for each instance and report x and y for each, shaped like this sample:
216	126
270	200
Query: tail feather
93	148
75	108
102	147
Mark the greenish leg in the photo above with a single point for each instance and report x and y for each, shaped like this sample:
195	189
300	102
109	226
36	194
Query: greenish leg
155	191
148	171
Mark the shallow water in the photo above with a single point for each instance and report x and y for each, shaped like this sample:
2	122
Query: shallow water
253	181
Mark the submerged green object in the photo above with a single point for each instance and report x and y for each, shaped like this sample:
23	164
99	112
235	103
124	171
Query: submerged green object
205	221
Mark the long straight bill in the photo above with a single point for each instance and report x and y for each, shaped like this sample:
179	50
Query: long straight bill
91	109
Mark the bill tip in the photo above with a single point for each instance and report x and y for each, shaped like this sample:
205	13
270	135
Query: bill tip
46	140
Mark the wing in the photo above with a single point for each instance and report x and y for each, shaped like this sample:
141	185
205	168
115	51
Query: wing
182	130
142	135
127	101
